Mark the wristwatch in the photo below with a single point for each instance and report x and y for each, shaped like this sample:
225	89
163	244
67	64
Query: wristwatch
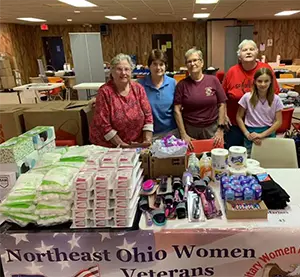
221	126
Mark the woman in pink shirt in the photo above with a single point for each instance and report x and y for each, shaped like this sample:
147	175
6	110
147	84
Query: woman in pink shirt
261	108
123	114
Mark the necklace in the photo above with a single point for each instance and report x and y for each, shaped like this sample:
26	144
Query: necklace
262	101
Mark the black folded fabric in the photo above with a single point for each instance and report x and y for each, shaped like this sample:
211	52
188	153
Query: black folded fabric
274	196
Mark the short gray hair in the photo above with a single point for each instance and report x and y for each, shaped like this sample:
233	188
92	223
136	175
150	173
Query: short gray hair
193	51
120	57
243	43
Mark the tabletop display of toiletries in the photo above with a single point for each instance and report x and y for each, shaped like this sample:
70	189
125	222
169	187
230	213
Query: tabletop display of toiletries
91	185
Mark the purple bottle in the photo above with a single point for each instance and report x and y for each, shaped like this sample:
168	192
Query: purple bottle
243	177
257	191
250	178
233	177
229	194
253	182
225	179
238	192
243	182
235	183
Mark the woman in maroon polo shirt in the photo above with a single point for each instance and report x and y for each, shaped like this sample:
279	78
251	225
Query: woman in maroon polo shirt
199	103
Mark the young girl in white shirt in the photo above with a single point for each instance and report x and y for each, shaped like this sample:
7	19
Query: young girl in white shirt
261	108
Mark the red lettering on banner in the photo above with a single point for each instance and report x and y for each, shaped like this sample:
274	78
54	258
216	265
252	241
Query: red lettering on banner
253	270
267	257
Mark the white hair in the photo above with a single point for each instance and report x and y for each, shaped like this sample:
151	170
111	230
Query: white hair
243	43
193	51
120	57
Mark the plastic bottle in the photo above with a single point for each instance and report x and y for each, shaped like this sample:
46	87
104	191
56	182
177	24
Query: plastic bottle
193	164
205	166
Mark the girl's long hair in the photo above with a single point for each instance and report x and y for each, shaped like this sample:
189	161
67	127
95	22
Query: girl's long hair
270	94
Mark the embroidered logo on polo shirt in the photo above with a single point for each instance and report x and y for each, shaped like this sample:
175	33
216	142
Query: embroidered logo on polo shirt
209	91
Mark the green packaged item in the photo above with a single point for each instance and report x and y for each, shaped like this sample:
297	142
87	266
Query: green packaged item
41	135
47	148
15	149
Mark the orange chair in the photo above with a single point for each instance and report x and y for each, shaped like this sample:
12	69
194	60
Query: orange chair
179	77
286	124
53	94
204	145
287	76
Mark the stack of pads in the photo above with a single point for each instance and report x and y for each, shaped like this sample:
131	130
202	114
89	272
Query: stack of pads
106	189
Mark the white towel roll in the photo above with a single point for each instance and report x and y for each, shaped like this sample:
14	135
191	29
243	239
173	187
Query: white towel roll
238	171
252	163
219	158
237	156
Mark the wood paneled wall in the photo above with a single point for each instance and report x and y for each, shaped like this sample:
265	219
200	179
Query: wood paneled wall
285	35
25	43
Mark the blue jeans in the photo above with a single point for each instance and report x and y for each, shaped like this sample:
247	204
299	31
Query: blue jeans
234	137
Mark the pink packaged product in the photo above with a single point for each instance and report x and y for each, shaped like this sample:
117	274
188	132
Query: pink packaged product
83	195
84	180
79	222
111	159
81	204
95	159
79	213
127	158
89	168
124	178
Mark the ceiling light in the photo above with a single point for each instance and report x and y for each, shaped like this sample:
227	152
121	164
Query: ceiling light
76	11
116	17
78	3
184	18
134	18
203	9
206	1
69	19
31	19
286	13
201	15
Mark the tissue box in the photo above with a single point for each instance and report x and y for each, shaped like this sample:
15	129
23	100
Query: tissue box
15	149
47	148
22	166
41	135
7	182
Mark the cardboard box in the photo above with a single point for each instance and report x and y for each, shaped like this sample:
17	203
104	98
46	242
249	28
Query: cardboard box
22	166
15	149
40	135
246	214
8	82
5	72
7	182
70	120
145	160
167	167
12	120
4	63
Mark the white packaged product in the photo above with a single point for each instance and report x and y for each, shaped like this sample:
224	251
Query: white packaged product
252	163
237	156
219	158
238	171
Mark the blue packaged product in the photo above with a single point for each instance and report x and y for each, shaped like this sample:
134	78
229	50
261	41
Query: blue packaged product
225	179
243	182
224	187
233	177
238	192
249	194
243	177
235	183
257	191
229	194
253	182
250	178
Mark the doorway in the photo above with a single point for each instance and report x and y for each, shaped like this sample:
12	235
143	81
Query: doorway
54	52
164	43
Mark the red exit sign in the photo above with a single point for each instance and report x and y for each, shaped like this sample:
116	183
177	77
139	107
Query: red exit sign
44	27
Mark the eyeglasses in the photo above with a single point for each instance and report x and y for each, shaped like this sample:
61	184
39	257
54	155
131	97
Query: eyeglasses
193	61
125	69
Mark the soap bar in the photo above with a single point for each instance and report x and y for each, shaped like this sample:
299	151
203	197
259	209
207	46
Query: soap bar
40	135
15	149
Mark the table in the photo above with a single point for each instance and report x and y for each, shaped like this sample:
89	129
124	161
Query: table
69	83
289	179
88	87
286	81
36	88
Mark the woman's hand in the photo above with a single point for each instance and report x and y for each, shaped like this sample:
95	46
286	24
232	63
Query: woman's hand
188	140
256	136
92	103
257	141
227	122
219	138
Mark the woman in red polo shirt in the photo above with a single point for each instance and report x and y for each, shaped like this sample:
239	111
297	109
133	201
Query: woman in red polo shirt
237	82
199	103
